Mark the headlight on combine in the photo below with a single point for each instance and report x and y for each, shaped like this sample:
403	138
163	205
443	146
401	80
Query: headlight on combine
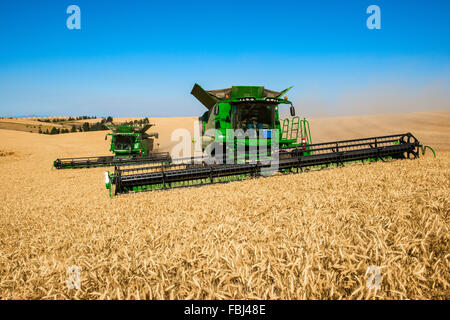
108	182
107	179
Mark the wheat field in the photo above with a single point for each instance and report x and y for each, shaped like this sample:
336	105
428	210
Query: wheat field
299	236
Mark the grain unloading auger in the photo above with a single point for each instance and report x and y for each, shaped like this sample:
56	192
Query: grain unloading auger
129	143
254	110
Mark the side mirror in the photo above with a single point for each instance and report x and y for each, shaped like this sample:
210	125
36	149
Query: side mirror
292	111
216	109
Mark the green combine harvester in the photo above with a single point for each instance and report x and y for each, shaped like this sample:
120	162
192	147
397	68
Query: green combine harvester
241	119
129	144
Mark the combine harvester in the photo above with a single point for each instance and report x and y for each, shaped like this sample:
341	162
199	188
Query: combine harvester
129	143
255	111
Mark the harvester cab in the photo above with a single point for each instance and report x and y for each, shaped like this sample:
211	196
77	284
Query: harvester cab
131	140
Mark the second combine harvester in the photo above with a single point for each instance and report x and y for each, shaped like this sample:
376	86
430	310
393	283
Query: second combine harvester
254	112
129	144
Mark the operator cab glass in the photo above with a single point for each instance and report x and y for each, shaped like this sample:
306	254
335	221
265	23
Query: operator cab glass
124	142
254	116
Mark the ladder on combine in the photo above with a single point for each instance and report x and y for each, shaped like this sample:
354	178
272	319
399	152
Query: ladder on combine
291	129
295	124
285	130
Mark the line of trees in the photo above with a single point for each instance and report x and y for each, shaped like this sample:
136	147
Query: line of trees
98	126
140	121
81	118
54	120
54	130
86	126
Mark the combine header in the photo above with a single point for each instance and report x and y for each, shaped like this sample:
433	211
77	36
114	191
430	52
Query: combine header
240	119
133	178
129	143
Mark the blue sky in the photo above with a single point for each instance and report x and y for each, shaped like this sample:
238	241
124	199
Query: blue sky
141	58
